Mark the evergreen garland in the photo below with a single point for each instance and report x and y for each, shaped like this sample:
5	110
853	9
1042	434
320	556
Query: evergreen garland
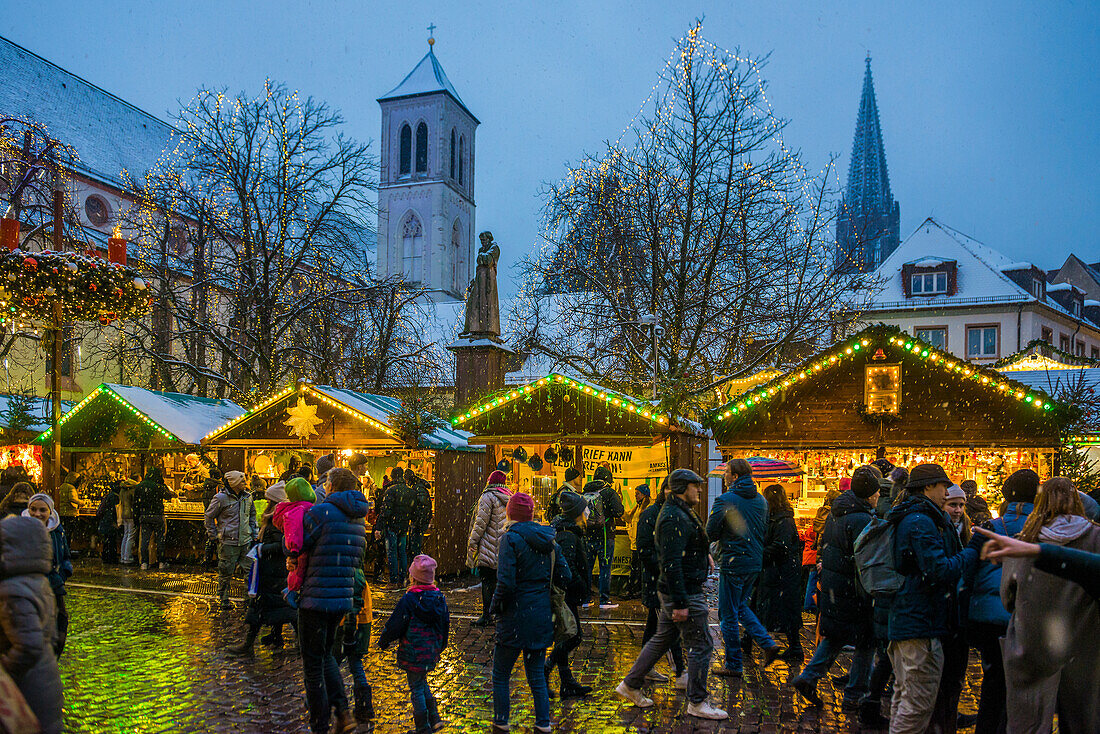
88	288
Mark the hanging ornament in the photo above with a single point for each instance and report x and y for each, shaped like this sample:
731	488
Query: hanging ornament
30	263
51	291
302	419
139	284
92	287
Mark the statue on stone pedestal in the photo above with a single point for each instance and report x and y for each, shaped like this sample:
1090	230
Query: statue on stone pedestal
482	304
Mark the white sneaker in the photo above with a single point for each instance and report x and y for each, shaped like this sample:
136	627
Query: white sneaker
145	567
681	682
656	676
704	710
634	695
609	605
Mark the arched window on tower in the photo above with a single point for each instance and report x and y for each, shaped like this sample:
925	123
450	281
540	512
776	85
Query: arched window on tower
412	248
406	150
421	148
452	153
456	264
461	159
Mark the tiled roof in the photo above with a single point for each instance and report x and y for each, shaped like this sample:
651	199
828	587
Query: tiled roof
109	134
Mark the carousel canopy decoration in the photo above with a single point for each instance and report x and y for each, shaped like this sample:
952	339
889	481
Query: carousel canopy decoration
873	338
620	400
87	288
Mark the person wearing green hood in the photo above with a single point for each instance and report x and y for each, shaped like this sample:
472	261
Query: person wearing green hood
231	521
289	517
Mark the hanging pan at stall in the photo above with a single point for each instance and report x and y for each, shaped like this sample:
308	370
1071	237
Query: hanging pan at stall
765	468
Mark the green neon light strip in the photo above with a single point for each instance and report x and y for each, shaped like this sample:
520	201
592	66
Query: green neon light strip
121	401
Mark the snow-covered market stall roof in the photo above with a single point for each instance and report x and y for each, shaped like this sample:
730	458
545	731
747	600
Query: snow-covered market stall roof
320	416
107	416
562	408
883	387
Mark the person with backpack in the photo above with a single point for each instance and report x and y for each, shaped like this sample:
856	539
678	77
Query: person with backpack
924	613
530	561
569	529
987	619
737	524
486	529
605	508
684	555
395	517
421	512
572	474
846	615
149	496
230	521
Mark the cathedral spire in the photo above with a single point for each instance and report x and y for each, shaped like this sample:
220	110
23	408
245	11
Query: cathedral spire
868	223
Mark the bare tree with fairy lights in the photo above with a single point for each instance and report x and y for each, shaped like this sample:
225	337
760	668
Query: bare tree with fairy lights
694	249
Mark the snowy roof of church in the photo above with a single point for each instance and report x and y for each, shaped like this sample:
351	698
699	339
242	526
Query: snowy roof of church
427	77
109	134
980	275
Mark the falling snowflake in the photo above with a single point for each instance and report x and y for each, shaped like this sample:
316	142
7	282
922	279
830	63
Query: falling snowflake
302	419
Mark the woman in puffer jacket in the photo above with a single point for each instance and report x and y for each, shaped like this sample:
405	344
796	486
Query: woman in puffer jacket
484	543
27	626
1051	647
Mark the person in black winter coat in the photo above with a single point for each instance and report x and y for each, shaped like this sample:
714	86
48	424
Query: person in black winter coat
651	572
601	537
421	513
846	615
779	591
395	516
107	524
268	606
569	526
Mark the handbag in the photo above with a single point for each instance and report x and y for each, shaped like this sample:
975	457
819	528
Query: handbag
565	624
16	716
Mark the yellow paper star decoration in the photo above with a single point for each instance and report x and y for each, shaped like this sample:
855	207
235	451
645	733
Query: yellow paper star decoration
302	419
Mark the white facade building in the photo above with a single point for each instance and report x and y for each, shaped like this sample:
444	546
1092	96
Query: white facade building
961	295
426	193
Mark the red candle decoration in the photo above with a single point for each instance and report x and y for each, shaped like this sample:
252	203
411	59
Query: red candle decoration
9	233
116	250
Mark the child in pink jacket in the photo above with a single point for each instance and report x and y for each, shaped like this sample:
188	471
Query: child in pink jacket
288	518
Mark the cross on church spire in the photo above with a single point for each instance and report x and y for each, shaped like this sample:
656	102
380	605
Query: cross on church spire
431	34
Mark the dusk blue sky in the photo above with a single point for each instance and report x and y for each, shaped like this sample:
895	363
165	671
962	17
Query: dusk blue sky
989	110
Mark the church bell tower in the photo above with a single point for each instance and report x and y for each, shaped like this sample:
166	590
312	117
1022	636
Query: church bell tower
426	193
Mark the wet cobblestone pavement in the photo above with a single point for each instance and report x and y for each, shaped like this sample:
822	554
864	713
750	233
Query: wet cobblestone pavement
146	653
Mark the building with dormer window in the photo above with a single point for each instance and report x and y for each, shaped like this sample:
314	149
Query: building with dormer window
963	296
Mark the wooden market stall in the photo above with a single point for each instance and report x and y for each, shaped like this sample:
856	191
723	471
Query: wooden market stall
120	431
536	431
361	430
884	393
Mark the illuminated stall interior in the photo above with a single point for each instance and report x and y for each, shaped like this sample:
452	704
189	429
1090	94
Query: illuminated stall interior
364	432
884	393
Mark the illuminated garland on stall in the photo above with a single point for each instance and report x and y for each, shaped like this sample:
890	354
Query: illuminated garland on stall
620	400
864	341
88	288
104	390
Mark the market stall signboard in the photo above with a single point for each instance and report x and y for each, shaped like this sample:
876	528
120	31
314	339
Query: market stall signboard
838	398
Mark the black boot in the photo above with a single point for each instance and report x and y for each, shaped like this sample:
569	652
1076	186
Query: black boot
245	648
420	724
570	687
364	703
274	638
870	715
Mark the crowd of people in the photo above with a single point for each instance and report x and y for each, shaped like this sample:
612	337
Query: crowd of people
907	570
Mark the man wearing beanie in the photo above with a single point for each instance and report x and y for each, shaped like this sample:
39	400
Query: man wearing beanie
569	529
924	616
605	508
484	541
231	521
572	484
846	616
683	552
987	618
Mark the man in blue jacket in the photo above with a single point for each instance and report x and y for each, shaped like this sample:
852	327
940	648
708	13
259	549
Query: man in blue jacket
925	610
737	523
334	538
